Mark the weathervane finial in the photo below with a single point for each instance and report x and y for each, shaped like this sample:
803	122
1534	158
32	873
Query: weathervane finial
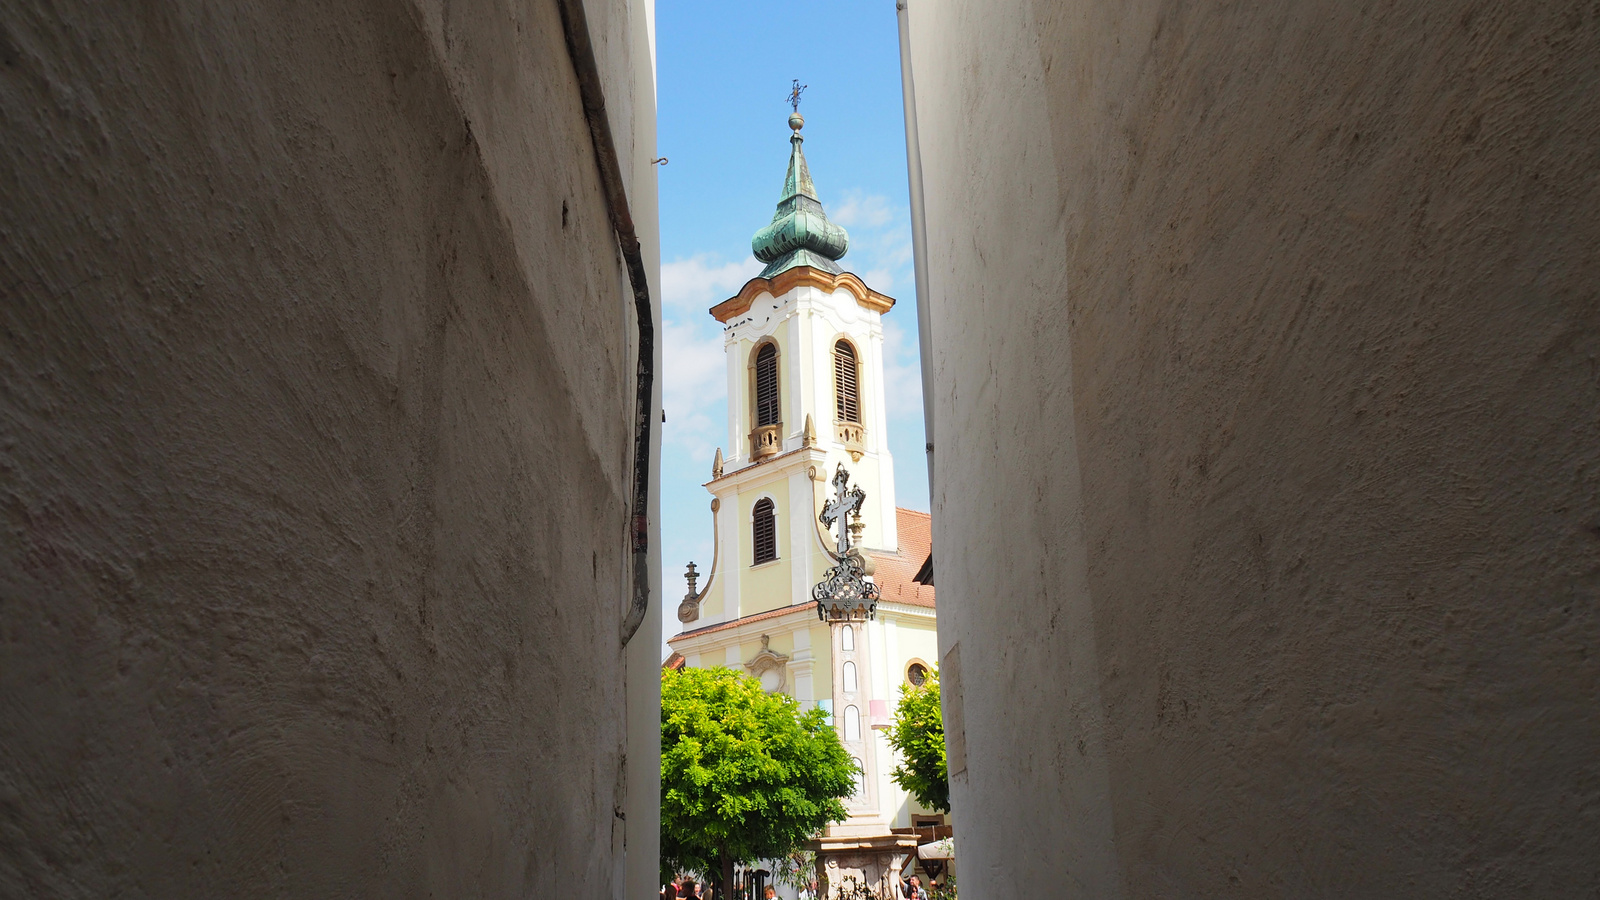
794	94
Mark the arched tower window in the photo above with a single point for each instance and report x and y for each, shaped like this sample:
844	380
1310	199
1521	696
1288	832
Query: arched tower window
846	385
764	532
767	411
849	678
852	723
847	638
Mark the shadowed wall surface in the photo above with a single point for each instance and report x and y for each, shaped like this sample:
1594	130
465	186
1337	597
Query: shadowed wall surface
316	392
1269	463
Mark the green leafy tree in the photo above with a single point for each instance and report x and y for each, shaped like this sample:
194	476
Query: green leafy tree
797	870
918	736
744	774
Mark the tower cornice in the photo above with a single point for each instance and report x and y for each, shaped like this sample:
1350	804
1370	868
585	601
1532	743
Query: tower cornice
783	464
801	276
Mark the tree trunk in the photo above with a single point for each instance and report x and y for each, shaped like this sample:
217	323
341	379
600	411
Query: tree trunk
725	890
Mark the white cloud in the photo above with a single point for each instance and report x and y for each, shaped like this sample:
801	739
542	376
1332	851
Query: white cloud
880	244
862	209
693	384
890	248
694	380
902	372
692	286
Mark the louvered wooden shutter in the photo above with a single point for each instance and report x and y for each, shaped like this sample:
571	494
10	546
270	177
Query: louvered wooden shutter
767	385
764	530
846	391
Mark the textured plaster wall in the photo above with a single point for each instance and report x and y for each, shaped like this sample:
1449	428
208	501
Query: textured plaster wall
1268	502
315	406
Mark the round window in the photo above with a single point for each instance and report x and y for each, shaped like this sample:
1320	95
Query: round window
917	673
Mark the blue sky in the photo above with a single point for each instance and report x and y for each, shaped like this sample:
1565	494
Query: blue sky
723	71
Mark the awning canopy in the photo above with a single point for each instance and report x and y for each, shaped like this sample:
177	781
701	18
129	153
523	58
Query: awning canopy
944	848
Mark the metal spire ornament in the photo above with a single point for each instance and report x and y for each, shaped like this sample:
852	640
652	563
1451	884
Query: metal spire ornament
844	593
800	233
794	94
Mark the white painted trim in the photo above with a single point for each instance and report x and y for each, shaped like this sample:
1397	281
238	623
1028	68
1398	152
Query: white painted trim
737	479
707	644
800	500
733	557
906	611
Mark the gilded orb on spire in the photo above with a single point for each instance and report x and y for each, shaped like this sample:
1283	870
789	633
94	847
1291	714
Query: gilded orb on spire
796	121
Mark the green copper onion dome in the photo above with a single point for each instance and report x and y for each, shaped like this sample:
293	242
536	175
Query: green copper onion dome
800	233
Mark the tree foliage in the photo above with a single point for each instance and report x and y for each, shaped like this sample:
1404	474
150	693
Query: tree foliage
744	774
918	736
797	870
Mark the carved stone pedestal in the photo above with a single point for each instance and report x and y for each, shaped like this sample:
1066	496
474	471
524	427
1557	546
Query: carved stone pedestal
872	860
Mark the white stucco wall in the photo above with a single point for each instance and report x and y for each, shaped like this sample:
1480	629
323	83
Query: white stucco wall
1265	392
316	404
629	73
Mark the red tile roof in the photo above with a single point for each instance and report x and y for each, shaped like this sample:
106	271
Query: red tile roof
894	571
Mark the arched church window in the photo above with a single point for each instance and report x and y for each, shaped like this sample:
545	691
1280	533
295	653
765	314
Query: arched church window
846	387
852	723
847	638
860	778
764	532
849	677
767	412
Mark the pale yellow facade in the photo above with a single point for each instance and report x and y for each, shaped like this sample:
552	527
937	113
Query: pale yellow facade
758	617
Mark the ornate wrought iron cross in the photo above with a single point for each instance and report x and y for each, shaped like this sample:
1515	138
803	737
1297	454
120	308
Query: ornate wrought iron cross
844	594
844	503
795	92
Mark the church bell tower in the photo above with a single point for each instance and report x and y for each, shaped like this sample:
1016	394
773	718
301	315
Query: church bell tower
808	437
804	346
